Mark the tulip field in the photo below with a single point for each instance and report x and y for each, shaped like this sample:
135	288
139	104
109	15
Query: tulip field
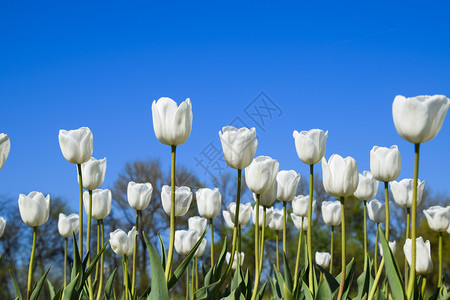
224	275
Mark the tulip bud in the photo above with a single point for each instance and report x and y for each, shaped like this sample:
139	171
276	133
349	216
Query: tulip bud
376	211
287	185
438	218
419	119
229	215
139	195
267	199
68	225
185	240
198	224
183	199
101	203
392	245
424	264
261	211
5	145
323	259
340	176
93	173
261	174
2	226
122	243
367	187
310	145
300	222
403	192
34	208
385	163
209	202
234	265
300	205
238	145
331	213
172	123
76	145
276	223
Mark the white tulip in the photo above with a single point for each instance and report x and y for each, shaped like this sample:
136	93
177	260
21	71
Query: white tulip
376	211
403	192
139	195
101	203
392	245
340	176
300	222
287	185
34	208
201	248
209	202
276	223
185	240
261	174
438	218
234	265
385	163
261	211
268	199
419	119
5	145
172	123
310	145
367	187
198	224
323	259
76	145
122	243
300	205
68	225
93	173
331	212
424	264
238	145
2	226
229	215
183	199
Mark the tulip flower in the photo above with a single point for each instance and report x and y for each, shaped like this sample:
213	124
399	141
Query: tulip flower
268	199
276	223
209	202
93	173
323	259
5	145
310	145
261	174
183	199
185	240
2	226
392	245
385	163
238	145
375	210
198	224
331	213
402	192
229	215
101	203
300	205
301	223
172	123
424	264
261	211
287	185
68	225
234	265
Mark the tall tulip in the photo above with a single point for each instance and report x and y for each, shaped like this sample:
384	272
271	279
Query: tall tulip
300	205
331	215
183	199
198	224
276	224
5	145
2	226
67	227
101	203
423	257
77	147
418	120
230	214
287	182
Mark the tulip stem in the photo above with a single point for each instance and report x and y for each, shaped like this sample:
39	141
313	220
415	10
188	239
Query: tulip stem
239	247
297	261
192	280
375	282
88	245
212	241
440	260
80	230
261	254
30	269
341	288
277	242
187	282
98	250
365	234
133	275
424	284
255	287
386	205
125	275
102	234
284	227
332	249
408	221
412	275
309	243
65	263
196	273
168	270
375	257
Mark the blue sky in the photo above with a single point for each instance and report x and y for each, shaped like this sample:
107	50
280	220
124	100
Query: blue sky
336	66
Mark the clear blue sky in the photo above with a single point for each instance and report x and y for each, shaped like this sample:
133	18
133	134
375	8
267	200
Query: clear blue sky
335	66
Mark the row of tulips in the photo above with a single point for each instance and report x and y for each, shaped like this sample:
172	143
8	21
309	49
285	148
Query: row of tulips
416	119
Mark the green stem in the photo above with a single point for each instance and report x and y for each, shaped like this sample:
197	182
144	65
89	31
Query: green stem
309	243
261	254
365	234
440	260
168	270
277	242
297	261
125	275
102	234
212	241
80	230
133	274
412	275
424	285
98	250
386	206
196	273
65	262
192	280
88	245
257	274
332	249
341	288
238	247
187	282
375	282
284	227
30	269
375	257
408	221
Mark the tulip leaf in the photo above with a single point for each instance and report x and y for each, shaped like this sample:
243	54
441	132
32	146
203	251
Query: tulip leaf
276	293
51	289
159	284
109	285
163	251
306	291
203	292
17	293
261	291
365	280
393	272
287	274
332	283
323	291
94	262
37	289
68	291
349	272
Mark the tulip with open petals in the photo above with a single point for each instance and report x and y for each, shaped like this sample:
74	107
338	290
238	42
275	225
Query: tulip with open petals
331	213
229	215
323	259
403	192
172	123
68	225
419	119
139	195
300	205
2	226
376	211
238	145
340	175
287	185
268	199
392	245
424	264
385	163
276	223
209	202
93	173
198	224
298	222
310	145
122	243
5	145
183	199
367	187
234	265
261	210
261	174
101	203
34	208
438	218
76	145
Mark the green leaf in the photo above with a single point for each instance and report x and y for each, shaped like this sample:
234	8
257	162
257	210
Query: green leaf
51	289
40	284
323	291
331	281
17	293
393	272
163	251
94	262
261	291
159	284
202	293
365	280
287	274
109	285
349	272
68	291
306	291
